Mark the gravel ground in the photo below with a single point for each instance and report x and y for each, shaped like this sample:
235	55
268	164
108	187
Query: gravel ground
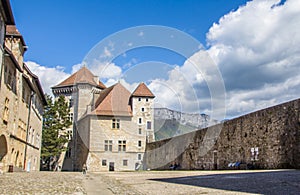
153	182
42	183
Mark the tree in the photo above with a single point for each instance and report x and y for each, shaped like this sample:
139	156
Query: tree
56	121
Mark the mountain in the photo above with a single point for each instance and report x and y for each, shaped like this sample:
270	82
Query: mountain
169	123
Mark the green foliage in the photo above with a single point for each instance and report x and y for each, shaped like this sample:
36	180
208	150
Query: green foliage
56	121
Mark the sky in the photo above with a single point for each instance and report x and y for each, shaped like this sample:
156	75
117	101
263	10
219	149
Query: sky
219	57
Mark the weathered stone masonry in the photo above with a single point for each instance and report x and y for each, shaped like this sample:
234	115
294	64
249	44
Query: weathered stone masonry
274	132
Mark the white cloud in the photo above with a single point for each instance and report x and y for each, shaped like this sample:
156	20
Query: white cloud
48	77
105	70
76	67
129	86
257	51
106	53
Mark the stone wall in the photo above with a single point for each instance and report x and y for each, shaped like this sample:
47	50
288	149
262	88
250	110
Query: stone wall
269	138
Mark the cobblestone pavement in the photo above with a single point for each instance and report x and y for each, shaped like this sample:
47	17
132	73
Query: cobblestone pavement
153	182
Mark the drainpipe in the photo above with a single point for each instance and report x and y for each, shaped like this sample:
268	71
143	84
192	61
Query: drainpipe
28	128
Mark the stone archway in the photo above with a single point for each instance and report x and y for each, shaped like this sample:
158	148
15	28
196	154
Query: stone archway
3	147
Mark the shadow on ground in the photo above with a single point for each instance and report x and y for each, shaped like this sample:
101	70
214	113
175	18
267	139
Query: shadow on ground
274	182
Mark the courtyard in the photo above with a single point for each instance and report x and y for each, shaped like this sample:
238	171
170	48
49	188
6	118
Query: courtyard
153	182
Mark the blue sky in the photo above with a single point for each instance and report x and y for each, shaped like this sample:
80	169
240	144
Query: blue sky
62	32
249	57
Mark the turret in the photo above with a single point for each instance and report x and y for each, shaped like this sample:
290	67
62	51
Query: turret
142	110
15	43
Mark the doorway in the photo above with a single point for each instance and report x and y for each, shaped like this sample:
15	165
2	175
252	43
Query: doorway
215	160
3	147
111	166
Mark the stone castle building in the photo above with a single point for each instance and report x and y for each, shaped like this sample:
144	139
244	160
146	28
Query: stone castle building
21	101
111	126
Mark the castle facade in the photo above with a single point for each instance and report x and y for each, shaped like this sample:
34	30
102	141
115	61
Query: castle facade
111	125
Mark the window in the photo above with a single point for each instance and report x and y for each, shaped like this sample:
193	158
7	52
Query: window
71	103
37	140
10	78
104	162
21	129
140	99
25	92
69	134
29	135
143	109
139	156
71	116
140	120
6	111
39	106
139	143
122	146
125	162
140	131
68	153
147	100
116	123
148	124
108	145
32	137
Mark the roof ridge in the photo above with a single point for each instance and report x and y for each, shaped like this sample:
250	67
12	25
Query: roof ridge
103	94
83	75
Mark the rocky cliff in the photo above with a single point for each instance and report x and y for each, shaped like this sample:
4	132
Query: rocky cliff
169	123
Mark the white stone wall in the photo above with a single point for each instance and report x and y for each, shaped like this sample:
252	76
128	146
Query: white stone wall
101	130
84	99
142	107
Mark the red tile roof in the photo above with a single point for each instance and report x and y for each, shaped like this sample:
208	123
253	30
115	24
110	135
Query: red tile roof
83	75
142	91
11	30
113	101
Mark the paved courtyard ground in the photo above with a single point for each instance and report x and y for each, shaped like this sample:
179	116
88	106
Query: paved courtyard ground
153	182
